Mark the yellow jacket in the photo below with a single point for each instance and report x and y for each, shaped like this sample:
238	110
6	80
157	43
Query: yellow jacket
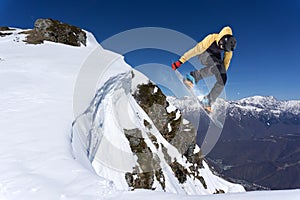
205	44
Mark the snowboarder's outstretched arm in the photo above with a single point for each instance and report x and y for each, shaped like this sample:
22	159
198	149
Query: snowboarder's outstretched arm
204	45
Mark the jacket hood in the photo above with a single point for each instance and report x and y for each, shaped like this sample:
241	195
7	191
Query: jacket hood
225	31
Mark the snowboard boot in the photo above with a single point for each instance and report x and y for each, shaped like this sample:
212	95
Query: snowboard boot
189	81
206	105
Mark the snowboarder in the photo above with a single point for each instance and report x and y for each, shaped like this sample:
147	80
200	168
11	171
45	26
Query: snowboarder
210	51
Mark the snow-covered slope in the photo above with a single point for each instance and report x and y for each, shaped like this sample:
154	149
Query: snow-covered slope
261	195
36	103
37	84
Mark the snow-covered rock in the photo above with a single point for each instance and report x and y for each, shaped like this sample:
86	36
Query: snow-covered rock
132	136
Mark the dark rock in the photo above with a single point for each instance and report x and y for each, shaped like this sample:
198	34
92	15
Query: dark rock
155	105
4	34
147	124
5	28
171	127
220	191
179	171
149	167
55	31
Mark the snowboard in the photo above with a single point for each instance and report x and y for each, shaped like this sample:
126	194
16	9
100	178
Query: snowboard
213	118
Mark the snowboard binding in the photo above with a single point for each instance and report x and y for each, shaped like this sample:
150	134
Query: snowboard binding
206	104
189	81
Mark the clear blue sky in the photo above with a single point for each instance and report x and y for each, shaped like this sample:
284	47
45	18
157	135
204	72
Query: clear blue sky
266	61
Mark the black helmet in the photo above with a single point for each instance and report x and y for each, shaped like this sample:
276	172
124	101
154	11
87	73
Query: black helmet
227	42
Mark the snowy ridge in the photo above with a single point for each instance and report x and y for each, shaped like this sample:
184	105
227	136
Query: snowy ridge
112	112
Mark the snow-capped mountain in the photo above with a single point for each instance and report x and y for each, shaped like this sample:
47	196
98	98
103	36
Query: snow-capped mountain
269	107
265	108
270	103
41	158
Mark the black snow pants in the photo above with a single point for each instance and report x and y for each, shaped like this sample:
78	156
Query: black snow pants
213	67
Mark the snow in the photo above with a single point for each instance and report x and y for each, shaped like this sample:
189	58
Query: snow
36	103
171	108
169	127
36	84
178	114
257	195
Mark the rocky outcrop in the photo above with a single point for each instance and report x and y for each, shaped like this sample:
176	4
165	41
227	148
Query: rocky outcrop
167	123
3	31
172	128
55	31
5	28
143	175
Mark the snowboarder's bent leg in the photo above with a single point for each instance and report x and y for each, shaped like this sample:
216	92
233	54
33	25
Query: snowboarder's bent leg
202	73
211	63
221	78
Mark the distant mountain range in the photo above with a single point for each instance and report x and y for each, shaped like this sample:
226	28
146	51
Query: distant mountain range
260	143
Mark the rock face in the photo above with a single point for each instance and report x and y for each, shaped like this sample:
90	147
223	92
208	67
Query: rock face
55	31
155	104
173	130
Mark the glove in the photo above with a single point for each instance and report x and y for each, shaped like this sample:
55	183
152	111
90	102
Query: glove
176	64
